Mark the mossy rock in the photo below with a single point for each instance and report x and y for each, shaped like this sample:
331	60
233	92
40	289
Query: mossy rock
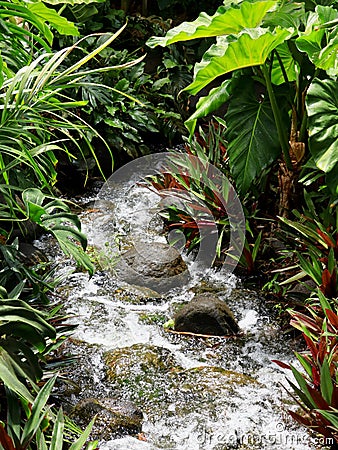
139	358
139	372
152	377
114	417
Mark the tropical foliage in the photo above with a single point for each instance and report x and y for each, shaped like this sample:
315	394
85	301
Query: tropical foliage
317	389
67	97
39	121
270	53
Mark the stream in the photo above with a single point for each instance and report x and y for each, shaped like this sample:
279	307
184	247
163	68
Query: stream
207	393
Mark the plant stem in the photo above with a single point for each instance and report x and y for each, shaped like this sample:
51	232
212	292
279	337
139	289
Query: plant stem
283	140
303	127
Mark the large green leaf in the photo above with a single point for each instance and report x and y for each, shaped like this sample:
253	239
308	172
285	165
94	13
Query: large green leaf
9	10
328	56
206	105
283	61
321	23
332	180
252	135
224	21
83	13
287	14
322	109
252	48
61	24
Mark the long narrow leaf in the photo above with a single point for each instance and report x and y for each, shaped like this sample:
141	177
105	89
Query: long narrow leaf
38	411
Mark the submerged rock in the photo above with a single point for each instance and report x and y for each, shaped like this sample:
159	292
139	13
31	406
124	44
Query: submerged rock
206	314
114	417
142	373
157	266
151	377
146	362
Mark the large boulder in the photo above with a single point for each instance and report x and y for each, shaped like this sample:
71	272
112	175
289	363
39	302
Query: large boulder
206	314
114	417
143	374
156	265
153	378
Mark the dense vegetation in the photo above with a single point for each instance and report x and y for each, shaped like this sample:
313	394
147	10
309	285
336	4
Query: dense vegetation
75	80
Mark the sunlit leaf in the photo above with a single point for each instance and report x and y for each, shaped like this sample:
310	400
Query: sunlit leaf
206	105
311	40
61	24
250	49
72	2
224	21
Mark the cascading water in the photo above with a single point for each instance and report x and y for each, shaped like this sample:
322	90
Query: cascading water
216	393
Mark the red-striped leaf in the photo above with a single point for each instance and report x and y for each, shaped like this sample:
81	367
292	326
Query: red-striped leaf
281	364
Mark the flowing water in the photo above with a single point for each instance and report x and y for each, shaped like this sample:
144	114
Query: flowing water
209	393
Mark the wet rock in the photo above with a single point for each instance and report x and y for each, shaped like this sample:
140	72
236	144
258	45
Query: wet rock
151	377
31	255
142	372
209	387
157	266
81	378
206	314
114	417
137	359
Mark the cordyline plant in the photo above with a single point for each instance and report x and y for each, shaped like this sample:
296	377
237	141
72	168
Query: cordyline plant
212	201
314	241
317	390
277	64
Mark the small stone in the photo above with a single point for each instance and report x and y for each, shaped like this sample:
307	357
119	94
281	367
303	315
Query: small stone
206	314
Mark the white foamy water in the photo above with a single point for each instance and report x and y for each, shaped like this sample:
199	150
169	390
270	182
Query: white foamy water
246	414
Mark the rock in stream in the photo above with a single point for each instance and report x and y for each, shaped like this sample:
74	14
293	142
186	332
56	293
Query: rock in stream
157	266
206	314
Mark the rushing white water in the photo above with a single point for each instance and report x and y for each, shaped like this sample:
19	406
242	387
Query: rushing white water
243	415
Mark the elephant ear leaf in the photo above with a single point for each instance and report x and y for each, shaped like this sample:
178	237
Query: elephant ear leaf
322	110
225	21
252	135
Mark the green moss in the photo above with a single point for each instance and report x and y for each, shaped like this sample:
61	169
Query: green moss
152	319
